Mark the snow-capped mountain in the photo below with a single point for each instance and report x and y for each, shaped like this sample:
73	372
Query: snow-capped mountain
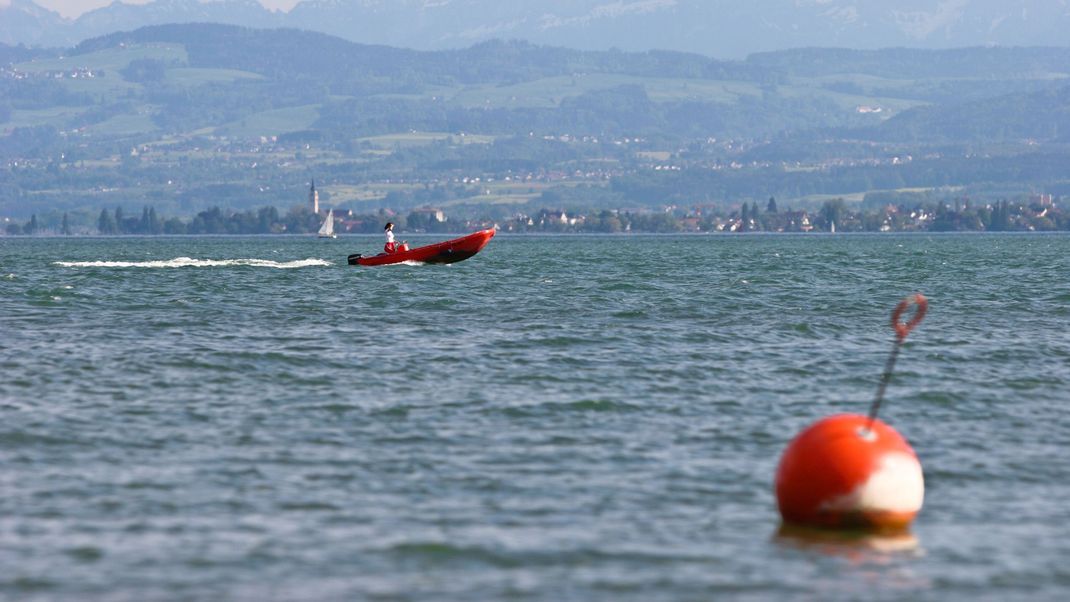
23	22
721	28
121	17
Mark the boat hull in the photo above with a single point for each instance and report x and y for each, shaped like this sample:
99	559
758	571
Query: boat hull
450	251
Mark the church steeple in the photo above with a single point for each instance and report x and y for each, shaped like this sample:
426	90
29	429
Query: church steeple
314	198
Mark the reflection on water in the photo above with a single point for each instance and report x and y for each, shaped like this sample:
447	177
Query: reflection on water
856	565
859	547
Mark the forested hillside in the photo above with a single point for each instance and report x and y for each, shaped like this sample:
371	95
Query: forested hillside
187	117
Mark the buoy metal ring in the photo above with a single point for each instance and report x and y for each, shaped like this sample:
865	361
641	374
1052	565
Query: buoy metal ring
902	329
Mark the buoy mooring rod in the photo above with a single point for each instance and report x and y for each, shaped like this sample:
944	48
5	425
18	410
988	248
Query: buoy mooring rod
901	331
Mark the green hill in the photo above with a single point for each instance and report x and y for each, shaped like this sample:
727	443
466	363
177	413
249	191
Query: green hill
1042	116
187	116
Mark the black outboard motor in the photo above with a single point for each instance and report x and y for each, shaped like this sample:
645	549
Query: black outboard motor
353	258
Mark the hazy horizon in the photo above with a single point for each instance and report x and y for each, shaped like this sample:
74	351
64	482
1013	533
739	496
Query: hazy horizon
72	9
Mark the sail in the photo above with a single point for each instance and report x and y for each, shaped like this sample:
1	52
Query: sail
327	229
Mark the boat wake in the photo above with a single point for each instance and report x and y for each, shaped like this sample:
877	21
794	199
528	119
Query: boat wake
189	262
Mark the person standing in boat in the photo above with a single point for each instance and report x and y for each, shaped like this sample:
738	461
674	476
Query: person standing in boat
391	246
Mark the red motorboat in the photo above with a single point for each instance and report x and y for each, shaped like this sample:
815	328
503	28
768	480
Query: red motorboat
450	251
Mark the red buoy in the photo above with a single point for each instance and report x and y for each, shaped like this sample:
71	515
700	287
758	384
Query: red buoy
851	471
842	474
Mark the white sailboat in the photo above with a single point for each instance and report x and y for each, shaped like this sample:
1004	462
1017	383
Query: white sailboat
327	229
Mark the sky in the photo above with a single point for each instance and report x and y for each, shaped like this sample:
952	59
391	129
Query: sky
74	8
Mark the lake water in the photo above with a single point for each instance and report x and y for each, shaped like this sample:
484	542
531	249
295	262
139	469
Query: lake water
557	418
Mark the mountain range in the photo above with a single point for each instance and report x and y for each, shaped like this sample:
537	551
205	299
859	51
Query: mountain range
720	28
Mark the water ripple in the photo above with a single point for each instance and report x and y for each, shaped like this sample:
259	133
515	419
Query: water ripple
544	421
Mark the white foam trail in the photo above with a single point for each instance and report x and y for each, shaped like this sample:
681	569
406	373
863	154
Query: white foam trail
189	262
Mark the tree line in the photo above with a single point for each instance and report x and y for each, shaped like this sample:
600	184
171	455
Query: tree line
1039	214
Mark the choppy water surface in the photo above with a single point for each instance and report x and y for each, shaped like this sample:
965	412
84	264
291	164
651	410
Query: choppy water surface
555	419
